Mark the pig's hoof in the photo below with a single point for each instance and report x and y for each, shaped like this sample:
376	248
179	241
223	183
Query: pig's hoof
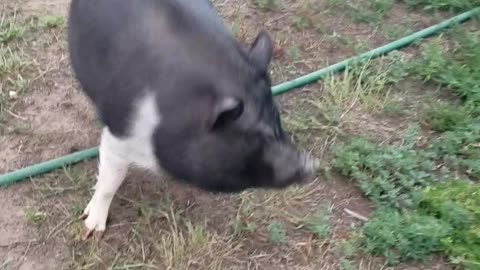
94	225
87	233
91	229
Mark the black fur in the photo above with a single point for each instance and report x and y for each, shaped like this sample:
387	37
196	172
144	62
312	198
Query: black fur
180	50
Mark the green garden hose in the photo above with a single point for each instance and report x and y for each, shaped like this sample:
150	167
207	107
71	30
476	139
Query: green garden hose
60	162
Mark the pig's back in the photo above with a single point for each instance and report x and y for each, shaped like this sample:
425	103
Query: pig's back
111	40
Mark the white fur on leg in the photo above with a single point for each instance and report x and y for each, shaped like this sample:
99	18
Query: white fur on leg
115	157
112	171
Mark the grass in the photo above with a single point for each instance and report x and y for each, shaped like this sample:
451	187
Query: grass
403	236
13	76
457	204
388	175
51	21
18	69
276	232
366	86
35	217
318	223
267	5
371	12
11	29
423	205
451	5
153	228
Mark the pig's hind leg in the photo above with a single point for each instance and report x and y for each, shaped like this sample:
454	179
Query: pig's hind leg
112	170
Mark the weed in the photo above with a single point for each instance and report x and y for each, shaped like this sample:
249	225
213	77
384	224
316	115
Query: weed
35	217
235	28
241	222
319	222
10	29
292	51
447	117
458	204
394	32
388	175
51	21
454	5
348	247
277	233
432	61
12	82
238	226
395	107
347	265
267	5
403	236
371	14
301	22
459	71
381	6
417	213
356	86
179	246
459	149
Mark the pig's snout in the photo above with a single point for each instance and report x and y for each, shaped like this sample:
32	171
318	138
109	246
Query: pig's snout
292	166
308	164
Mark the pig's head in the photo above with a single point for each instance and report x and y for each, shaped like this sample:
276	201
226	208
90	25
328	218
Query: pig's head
229	136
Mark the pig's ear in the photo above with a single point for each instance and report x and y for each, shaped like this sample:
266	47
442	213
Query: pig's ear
262	50
226	111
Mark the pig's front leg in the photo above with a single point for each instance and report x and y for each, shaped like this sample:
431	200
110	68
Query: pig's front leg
113	168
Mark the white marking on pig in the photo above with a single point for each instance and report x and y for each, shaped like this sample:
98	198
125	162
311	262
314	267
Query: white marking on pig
138	148
117	154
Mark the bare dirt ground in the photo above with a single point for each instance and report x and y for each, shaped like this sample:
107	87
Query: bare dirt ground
158	223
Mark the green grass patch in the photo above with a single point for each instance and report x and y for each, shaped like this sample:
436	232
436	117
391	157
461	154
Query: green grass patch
389	175
10	29
372	12
277	233
420	210
12	76
51	21
35	217
266	5
318	223
457	203
402	236
451	5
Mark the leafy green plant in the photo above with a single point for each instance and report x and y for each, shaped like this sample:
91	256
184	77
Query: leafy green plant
403	236
388	175
51	21
447	117
458	70
372	13
381	6
454	5
35	217
267	5
458	204
10	29
418	212
319	222
277	233
458	149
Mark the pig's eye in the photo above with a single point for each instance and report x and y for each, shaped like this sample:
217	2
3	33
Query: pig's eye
228	115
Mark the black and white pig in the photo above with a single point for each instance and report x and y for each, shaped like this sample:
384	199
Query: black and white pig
177	94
